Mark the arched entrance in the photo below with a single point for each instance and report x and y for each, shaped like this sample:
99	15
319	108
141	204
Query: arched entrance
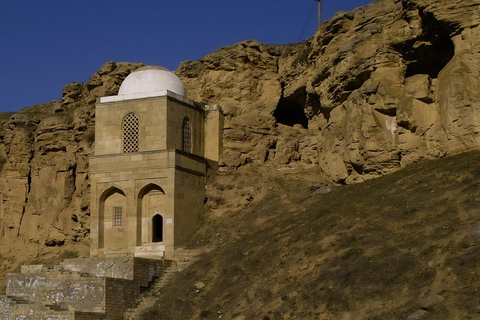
157	228
151	203
112	219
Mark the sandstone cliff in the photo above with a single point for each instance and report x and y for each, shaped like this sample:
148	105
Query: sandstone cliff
372	91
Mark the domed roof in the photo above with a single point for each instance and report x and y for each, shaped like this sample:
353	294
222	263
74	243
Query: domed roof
150	79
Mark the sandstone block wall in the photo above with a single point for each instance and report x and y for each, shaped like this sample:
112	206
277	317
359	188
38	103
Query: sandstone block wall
120	294
132	174
128	268
39	312
6	308
145	270
78	289
176	113
89	316
214	119
187	205
64	290
120	268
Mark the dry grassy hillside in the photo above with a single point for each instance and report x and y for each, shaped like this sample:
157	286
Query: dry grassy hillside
383	249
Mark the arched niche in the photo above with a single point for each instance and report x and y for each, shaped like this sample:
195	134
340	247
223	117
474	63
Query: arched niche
150	202
112	218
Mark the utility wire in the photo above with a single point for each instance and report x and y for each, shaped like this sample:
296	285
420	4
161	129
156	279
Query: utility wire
308	20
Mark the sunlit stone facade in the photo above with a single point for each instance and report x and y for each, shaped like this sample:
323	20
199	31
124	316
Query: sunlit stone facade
153	148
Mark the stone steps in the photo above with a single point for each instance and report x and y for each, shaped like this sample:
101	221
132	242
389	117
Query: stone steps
183	258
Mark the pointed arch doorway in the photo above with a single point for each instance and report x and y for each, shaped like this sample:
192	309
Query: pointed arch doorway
151	211
111	219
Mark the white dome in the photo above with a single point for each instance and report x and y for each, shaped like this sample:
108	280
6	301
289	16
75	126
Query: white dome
151	79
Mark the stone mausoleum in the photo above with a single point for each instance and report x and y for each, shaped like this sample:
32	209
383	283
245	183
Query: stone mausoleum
153	147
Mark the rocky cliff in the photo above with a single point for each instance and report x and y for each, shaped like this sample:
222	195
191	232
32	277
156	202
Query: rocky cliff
372	91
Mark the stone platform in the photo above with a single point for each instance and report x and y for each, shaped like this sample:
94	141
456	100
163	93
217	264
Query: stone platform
80	289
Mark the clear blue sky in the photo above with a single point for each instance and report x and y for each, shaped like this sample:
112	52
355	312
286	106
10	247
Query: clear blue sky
48	44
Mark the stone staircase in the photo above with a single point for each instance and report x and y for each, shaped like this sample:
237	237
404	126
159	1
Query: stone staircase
181	260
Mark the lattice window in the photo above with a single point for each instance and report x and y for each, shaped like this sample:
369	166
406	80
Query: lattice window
117	216
130	133
186	136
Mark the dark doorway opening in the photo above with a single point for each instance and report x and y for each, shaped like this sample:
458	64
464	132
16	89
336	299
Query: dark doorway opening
157	228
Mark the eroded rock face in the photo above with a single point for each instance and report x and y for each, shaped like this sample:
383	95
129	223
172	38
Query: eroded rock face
372	91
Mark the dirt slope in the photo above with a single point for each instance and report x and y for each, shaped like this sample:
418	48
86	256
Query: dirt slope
383	249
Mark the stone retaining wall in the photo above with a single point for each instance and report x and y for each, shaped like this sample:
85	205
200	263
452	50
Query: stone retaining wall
93	289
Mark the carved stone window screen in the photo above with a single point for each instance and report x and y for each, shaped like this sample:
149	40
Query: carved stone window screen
186	136
130	133
117	216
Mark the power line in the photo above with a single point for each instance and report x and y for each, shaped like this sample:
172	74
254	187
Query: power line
308	20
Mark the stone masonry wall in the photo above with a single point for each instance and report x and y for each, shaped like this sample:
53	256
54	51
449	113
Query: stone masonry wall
74	290
98	288
121	268
38	312
120	295
89	316
6	308
146	270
